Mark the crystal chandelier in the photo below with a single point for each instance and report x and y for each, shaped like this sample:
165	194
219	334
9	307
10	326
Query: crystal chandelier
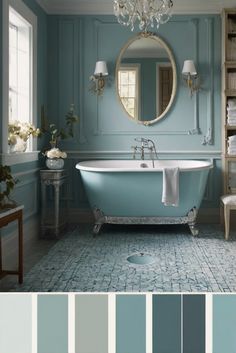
146	12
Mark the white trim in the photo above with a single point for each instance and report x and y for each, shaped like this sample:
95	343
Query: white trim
30	17
82	7
133	67
18	158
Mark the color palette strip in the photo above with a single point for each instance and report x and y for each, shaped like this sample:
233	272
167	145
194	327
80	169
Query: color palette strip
130	323
15	323
52	324
140	323
91	323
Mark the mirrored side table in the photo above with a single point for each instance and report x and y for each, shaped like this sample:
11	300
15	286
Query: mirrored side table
54	215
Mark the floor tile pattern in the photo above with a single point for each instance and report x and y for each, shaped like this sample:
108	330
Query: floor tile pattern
81	262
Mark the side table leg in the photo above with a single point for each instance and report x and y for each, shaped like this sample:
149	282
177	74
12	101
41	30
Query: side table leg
57	198
20	248
43	193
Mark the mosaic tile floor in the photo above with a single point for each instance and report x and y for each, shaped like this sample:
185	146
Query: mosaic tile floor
80	262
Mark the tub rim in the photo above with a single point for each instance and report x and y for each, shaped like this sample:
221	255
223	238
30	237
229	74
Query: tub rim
206	164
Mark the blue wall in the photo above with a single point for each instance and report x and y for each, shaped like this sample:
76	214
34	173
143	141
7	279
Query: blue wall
69	46
27	188
75	43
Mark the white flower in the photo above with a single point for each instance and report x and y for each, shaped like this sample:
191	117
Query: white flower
55	153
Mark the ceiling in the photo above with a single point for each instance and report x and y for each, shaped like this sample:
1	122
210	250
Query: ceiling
99	7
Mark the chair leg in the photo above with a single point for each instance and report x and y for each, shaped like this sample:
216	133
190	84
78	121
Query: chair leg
227	221
221	214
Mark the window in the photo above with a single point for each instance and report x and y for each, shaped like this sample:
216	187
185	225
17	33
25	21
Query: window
19	67
129	89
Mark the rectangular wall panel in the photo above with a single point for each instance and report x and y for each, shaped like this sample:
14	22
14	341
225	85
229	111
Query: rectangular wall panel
224	323
91	323
15	323
52	324
166	323
130	324
194	324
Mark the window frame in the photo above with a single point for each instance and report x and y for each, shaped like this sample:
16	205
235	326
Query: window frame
135	67
30	17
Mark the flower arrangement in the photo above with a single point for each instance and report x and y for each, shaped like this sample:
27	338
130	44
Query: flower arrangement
22	130
7	183
55	153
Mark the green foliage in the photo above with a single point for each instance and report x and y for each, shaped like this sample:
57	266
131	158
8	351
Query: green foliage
57	134
7	179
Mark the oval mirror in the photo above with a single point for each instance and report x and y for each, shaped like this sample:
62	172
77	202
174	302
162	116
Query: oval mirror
146	78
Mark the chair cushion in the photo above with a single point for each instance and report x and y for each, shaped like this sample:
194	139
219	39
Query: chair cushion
229	199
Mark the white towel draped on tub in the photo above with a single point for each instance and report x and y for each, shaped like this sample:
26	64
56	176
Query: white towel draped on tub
170	190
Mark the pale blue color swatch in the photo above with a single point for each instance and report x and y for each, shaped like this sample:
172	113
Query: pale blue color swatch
130	324
224	323
91	323
52	324
15	323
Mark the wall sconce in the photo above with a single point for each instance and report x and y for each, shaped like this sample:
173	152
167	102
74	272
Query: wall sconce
190	76
98	78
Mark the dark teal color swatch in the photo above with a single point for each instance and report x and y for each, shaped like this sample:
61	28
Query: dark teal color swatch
224	323
166	323
130	324
52	324
194	324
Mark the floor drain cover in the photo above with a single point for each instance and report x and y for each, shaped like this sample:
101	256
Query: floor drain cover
141	259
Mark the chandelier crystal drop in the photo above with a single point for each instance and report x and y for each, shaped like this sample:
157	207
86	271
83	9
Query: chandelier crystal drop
148	13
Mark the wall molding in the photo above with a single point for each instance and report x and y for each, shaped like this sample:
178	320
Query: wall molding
108	154
208	139
19	158
88	7
196	130
100	131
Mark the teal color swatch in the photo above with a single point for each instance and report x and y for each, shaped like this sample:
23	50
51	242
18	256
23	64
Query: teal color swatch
130	324
224	323
166	323
52	324
15	323
194	324
91	323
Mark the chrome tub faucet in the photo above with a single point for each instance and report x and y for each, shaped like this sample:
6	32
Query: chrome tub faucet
146	144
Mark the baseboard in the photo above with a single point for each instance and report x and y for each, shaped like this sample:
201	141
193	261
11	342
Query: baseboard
10	242
206	215
78	215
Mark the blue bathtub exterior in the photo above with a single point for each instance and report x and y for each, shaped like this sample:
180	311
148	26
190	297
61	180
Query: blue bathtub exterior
139	194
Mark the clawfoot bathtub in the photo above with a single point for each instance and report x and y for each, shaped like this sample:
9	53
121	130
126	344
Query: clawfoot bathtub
130	191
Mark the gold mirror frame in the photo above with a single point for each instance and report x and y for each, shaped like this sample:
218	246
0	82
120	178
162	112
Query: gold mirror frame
171	57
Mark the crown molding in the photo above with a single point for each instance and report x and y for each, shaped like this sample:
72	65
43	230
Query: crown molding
105	7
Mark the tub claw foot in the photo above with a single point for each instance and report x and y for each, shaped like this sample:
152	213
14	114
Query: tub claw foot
193	230
96	228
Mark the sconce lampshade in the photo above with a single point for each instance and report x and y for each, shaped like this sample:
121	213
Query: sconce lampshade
101	69
189	68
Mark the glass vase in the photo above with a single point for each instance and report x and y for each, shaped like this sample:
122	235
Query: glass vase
55	163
